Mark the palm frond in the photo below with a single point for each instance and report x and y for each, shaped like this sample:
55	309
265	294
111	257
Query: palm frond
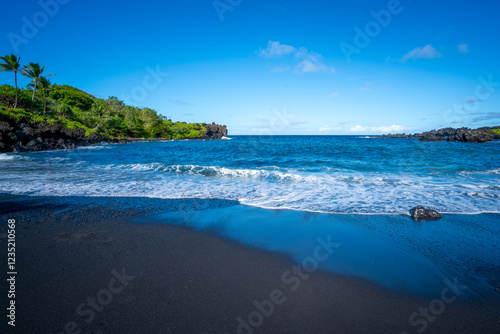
11	63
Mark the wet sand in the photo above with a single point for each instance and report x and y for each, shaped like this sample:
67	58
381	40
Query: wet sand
112	265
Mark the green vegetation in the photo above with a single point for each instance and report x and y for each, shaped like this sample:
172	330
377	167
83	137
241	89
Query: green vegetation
72	108
497	131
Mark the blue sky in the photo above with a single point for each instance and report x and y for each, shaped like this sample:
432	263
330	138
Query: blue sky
273	67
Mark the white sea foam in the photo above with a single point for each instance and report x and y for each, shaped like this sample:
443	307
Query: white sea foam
95	147
4	156
333	190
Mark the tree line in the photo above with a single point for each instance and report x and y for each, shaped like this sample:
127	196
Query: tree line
74	108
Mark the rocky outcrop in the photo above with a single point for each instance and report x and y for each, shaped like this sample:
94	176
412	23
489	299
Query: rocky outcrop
432	138
459	135
22	136
496	135
481	135
25	137
402	135
419	213
214	131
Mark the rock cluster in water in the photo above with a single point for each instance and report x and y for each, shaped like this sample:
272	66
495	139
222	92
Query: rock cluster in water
480	135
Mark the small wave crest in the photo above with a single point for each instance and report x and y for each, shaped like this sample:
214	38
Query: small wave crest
263	173
7	157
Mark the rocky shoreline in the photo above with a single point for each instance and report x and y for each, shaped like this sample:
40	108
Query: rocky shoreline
22	136
480	135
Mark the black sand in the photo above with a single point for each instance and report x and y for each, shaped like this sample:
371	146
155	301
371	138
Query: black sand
185	281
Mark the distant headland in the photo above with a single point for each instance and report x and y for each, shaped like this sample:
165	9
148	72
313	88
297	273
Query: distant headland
480	135
45	116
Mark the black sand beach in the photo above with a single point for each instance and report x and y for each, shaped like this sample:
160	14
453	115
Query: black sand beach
89	265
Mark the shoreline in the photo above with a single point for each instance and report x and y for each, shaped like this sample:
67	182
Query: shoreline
188	277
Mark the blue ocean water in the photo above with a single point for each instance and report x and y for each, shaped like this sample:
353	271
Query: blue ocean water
332	174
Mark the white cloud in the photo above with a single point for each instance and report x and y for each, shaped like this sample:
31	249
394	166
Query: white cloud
391	128
305	61
358	128
427	52
260	130
463	48
329	128
276	49
385	129
310	65
335	94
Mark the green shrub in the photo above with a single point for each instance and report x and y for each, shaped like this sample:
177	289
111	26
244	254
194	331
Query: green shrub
71	96
74	108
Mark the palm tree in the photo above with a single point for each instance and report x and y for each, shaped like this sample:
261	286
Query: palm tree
11	63
99	109
44	85
34	72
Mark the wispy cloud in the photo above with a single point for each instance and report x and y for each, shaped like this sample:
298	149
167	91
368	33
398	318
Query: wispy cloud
427	52
303	60
486	117
180	102
371	86
367	87
463	48
297	122
385	128
279	69
335	94
275	49
473	99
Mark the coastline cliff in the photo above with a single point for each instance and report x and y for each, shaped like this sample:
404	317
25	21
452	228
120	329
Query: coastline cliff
67	117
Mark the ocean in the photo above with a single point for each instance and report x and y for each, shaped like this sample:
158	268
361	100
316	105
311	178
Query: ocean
328	174
282	193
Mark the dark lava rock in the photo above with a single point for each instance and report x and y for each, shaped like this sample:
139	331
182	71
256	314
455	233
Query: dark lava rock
432	138
419	213
5	127
95	137
472	136
480	135
29	131
19	136
34	145
214	131
11	138
400	135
